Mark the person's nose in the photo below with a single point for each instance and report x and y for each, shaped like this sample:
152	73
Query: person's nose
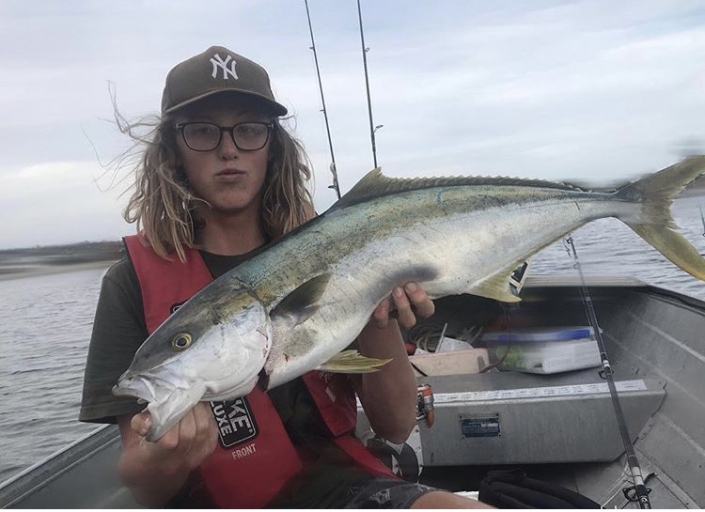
227	149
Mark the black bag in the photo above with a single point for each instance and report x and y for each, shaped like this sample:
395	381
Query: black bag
513	489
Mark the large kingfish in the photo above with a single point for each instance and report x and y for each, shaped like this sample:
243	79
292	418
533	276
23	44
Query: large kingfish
301	301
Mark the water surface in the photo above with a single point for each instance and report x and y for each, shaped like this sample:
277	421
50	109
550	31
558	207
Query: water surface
45	326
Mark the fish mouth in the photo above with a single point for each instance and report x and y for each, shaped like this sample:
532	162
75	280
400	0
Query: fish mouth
167	403
136	387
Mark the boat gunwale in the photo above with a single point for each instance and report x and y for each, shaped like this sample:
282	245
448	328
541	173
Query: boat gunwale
42	473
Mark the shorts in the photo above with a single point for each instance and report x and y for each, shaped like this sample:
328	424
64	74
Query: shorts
382	492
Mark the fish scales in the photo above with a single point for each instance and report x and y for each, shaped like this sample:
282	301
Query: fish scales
414	232
294	306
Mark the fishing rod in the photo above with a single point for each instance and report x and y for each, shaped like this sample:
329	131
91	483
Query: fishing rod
373	128
641	493
333	169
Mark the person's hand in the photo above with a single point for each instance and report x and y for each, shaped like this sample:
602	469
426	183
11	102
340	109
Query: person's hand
185	445
405	304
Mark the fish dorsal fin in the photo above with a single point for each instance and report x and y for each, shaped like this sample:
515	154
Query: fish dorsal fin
375	184
299	305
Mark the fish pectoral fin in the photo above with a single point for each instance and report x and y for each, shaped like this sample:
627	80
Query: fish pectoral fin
498	287
299	305
351	361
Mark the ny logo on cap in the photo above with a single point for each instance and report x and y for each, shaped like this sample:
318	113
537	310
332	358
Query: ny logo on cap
218	62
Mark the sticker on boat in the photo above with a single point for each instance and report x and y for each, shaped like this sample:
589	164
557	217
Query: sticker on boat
480	427
504	394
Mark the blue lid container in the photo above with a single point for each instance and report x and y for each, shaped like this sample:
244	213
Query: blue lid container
543	334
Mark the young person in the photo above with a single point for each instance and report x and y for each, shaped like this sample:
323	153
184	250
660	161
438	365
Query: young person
219	178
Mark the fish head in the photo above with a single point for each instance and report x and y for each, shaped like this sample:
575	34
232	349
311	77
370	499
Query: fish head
212	348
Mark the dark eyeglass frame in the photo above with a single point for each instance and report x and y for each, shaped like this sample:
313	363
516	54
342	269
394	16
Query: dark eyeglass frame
231	129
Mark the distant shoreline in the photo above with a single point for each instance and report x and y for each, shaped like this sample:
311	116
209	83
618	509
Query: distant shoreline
11	273
47	260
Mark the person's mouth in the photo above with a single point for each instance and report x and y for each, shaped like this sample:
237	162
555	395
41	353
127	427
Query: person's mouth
230	175
230	172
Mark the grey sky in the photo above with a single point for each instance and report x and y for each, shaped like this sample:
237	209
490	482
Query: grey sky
587	90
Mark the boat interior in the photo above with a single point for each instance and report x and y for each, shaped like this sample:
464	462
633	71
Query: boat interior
558	427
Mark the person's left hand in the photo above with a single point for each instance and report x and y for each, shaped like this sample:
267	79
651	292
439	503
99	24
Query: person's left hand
405	303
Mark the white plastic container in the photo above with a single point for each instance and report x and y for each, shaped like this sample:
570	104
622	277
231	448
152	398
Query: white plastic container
452	345
551	350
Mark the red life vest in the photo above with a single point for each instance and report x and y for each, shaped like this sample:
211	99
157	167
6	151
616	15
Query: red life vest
255	457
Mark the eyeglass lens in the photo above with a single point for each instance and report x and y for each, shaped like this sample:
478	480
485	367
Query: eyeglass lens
207	136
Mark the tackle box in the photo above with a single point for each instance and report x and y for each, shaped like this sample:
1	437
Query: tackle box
546	350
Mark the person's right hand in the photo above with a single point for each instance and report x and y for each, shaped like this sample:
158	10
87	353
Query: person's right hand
185	445
155	472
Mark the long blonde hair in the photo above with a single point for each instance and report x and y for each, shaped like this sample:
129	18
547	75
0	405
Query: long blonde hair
162	204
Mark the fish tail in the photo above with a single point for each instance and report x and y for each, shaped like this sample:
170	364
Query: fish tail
655	223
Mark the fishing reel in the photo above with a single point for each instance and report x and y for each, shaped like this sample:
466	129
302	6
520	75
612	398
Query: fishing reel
424	404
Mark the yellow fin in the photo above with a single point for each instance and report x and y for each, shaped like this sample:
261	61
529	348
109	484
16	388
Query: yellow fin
656	225
673	246
351	361
498	287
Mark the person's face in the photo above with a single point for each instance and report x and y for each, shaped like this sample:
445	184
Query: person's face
228	178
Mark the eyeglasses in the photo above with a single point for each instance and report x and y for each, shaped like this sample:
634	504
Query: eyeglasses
207	136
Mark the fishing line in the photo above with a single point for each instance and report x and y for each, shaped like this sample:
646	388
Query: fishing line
510	345
365	49
441	337
640	492
333	169
422	334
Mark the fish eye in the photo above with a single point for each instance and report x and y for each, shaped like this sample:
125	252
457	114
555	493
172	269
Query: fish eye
181	341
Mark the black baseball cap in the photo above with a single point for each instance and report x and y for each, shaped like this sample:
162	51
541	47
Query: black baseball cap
215	71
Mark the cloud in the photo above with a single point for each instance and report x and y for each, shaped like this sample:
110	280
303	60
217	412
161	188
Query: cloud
546	89
58	203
